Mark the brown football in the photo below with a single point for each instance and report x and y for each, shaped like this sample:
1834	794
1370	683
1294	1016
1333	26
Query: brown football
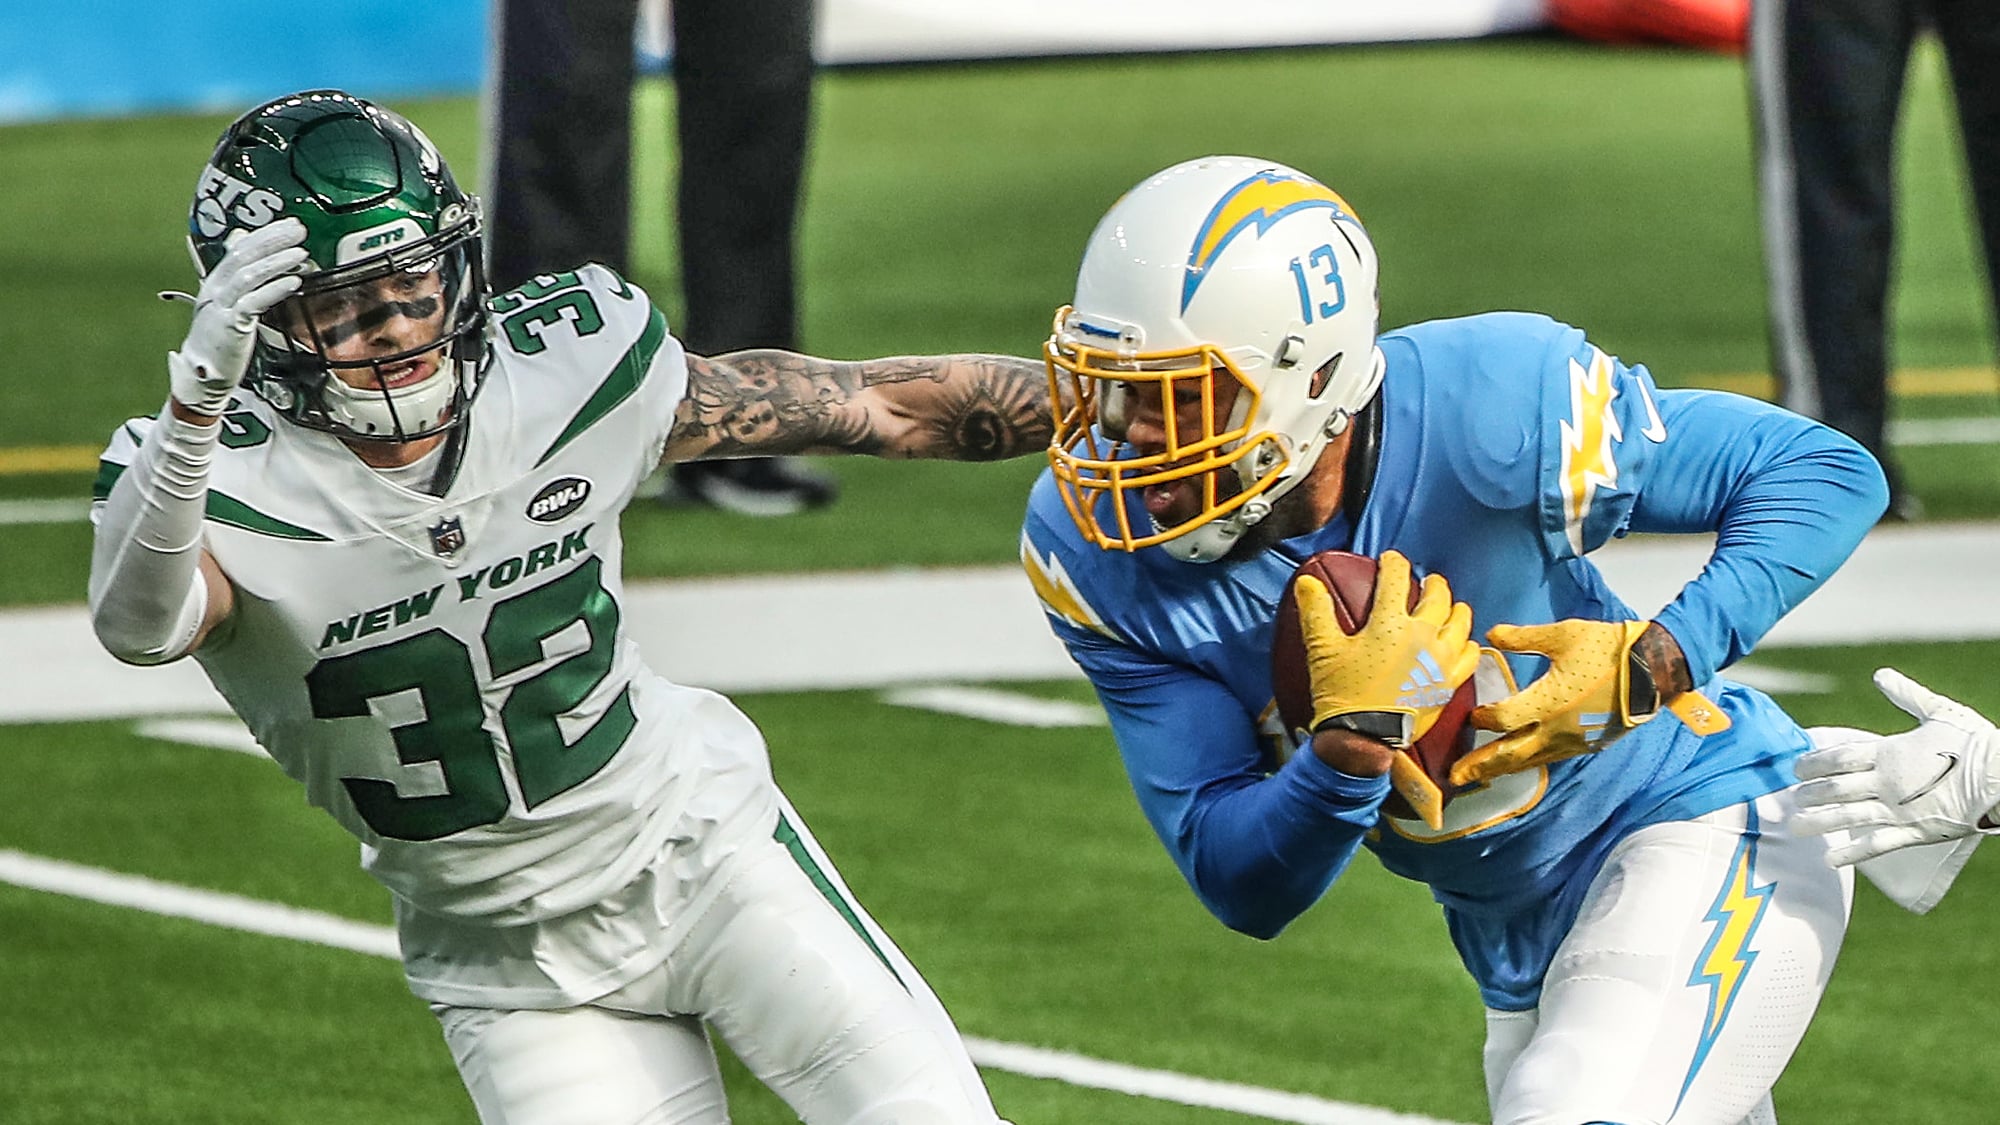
1350	578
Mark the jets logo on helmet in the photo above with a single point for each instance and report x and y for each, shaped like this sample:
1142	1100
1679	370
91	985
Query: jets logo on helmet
221	201
1234	300
385	338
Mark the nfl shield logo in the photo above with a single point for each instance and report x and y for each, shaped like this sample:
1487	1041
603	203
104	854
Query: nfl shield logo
448	536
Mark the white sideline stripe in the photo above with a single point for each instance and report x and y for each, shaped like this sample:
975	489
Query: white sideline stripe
1781	681
214	908
1945	431
1167	1086
889	629
234	912
222	734
1011	708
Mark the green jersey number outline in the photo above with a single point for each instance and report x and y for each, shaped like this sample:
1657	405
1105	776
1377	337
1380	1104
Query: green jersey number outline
556	298
425	687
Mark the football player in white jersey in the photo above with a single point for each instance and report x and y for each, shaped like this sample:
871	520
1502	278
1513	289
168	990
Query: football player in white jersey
381	509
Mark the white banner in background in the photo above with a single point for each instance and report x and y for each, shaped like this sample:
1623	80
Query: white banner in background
875	31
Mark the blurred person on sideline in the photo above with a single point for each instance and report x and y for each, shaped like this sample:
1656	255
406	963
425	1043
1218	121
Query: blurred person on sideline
1612	856
1827	82
559	189
380	508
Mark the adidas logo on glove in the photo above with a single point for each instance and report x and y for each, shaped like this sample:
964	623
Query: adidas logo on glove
1424	686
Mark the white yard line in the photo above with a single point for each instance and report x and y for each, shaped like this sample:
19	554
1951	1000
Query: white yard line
113	888
220	733
44	511
1009	707
1781	681
250	915
1945	431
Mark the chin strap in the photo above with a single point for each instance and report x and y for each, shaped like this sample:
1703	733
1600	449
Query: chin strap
454	452
1364	454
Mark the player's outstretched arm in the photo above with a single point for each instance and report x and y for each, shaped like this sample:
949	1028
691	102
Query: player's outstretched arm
956	407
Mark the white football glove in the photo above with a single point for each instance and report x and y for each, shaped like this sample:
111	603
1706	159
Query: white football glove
1918	787
256	273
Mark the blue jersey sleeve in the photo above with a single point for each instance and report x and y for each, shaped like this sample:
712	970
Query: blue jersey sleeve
1788	498
1258	848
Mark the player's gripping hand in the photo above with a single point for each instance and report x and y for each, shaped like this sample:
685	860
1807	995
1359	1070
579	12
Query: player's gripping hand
1368	681
1933	783
258	271
1594	690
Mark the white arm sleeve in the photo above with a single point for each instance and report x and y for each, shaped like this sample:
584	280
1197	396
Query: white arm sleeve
147	593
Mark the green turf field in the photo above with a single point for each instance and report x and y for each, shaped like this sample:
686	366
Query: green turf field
946	208
1012	864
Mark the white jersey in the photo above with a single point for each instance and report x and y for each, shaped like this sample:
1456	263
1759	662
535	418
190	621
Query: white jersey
450	676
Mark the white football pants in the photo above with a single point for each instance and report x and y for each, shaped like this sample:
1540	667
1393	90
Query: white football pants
1694	967
810	995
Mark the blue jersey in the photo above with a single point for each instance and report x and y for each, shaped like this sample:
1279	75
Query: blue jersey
1510	448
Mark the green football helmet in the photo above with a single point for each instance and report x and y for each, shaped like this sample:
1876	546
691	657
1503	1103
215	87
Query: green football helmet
385	339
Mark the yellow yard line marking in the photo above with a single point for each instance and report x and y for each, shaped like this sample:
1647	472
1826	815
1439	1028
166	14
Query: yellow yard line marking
1915	382
1918	382
21	460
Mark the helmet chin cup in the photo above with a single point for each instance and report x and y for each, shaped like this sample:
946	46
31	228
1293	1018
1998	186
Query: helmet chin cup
1213	540
1206	543
394	415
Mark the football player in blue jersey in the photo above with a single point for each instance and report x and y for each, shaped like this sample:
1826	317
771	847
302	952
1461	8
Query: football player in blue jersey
1614	862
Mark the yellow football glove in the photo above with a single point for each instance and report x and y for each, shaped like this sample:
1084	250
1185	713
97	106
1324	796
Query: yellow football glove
1391	679
1593	691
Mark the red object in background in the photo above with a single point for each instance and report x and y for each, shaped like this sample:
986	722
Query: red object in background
1714	25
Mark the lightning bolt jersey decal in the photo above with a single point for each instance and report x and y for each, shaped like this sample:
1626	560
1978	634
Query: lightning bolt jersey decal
1059	596
1587	437
1725	962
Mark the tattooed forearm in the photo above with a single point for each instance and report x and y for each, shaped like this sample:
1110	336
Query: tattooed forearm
995	408
964	407
768	401
1663	657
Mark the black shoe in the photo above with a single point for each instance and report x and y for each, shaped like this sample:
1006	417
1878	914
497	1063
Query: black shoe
751	486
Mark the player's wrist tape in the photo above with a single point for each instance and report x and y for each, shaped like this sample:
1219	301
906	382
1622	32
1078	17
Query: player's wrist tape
1392	727
185	450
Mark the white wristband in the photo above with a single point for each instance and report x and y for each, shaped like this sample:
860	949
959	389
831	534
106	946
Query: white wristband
147	593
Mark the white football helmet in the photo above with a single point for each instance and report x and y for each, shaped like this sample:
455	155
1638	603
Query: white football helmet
1225	267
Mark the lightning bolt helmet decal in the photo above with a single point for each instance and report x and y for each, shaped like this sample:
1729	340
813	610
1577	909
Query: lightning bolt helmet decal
1256	202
